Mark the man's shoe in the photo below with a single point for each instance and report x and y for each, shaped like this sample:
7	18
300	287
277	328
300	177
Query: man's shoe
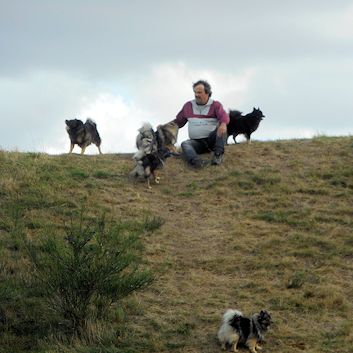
197	163
217	159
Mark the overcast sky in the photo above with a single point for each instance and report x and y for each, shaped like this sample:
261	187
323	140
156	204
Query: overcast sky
123	63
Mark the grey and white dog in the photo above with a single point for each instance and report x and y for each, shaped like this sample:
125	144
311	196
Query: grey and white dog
83	134
236	328
153	147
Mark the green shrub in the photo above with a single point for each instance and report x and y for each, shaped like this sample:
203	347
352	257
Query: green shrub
82	274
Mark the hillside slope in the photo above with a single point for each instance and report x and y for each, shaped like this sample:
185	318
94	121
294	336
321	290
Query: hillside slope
271	228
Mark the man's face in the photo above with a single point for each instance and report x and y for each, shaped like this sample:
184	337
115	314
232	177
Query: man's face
201	96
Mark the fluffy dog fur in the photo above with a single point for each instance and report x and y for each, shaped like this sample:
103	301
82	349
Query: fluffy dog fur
236	328
153	148
83	134
244	124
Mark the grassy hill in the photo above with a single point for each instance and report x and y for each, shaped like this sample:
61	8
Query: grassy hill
271	228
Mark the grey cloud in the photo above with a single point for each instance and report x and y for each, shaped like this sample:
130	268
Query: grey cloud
109	37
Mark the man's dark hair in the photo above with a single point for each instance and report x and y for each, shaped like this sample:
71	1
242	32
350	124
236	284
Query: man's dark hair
205	84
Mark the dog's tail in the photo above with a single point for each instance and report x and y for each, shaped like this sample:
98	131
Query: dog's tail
92	128
91	122
235	114
230	314
146	139
145	127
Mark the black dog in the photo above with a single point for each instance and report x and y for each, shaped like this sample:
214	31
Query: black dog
243	124
83	134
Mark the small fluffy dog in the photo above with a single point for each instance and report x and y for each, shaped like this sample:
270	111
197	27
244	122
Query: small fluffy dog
153	148
236	328
83	134
244	124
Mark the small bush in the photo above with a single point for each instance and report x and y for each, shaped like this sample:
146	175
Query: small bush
82	274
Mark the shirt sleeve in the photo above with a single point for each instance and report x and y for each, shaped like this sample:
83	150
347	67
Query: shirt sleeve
221	114
181	118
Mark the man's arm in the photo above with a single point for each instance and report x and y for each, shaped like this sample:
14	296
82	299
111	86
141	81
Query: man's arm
222	129
181	119
223	118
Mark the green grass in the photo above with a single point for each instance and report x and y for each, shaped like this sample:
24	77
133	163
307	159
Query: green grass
271	228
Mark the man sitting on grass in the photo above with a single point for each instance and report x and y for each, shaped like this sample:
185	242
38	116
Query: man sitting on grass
207	126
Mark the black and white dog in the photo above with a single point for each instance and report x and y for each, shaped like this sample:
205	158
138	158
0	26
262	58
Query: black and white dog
236	328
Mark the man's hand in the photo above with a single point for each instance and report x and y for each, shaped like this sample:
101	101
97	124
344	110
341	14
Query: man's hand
222	129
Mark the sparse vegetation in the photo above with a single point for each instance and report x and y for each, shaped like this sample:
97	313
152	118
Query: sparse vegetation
72	280
270	228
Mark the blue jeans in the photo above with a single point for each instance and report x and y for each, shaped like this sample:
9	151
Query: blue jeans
192	148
